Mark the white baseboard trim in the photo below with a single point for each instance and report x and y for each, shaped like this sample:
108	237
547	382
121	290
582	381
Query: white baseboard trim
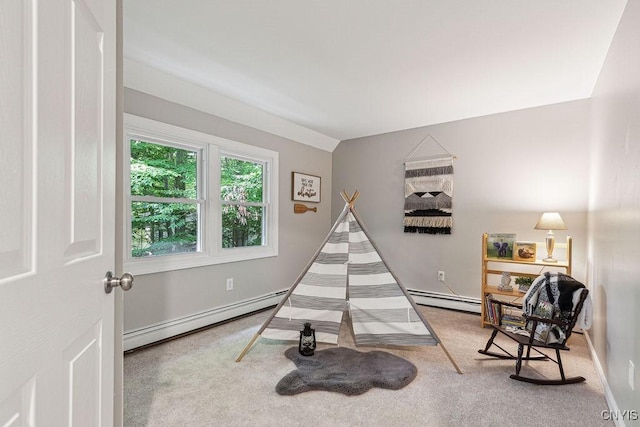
160	331
611	402
438	299
149	334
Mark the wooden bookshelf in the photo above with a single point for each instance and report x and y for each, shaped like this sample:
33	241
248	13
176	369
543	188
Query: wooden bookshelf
492	269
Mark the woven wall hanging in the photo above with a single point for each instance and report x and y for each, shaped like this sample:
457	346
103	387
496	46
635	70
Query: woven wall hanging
428	191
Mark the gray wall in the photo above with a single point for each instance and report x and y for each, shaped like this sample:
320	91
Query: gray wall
510	168
614	212
161	297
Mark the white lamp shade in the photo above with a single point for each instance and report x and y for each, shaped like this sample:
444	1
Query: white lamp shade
550	221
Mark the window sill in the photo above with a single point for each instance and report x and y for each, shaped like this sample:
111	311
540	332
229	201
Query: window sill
179	262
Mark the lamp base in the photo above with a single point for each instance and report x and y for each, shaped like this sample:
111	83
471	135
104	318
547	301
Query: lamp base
550	241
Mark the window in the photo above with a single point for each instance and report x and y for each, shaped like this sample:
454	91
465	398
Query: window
194	199
164	199
242	198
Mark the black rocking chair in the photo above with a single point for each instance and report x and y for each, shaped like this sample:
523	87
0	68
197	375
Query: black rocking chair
529	341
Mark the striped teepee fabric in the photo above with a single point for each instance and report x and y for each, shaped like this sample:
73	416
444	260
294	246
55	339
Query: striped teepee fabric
319	297
349	272
381	313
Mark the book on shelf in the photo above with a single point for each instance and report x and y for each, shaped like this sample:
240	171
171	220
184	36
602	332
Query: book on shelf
496	312
512	320
490	309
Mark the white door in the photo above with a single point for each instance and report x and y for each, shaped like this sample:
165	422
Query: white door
57	169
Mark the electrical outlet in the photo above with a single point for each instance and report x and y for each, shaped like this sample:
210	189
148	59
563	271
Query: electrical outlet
441	276
230	284
632	375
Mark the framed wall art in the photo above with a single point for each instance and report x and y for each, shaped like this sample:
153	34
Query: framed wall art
305	188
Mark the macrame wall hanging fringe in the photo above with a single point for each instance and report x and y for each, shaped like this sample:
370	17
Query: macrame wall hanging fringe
428	191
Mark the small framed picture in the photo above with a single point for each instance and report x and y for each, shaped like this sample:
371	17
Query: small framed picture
305	188
524	251
500	245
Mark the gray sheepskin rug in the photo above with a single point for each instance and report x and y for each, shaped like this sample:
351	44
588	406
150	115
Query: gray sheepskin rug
345	371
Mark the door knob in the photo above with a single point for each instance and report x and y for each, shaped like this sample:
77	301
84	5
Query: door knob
110	282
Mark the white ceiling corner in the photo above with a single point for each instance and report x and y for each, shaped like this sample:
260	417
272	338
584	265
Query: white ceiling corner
322	72
168	86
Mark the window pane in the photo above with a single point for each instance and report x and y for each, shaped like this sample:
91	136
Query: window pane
240	180
163	228
242	225
162	171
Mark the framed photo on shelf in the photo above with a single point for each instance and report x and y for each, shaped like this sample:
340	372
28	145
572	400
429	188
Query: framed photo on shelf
524	251
500	245
305	188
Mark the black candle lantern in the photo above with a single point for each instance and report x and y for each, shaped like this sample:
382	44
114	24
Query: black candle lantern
307	340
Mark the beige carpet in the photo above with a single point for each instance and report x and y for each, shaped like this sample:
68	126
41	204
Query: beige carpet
195	381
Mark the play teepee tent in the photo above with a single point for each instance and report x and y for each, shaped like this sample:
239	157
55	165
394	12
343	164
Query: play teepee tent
347	273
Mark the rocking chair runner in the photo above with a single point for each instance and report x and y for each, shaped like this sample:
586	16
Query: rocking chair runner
532	343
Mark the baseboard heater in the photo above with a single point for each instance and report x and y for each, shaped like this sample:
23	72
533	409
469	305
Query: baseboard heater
450	301
161	331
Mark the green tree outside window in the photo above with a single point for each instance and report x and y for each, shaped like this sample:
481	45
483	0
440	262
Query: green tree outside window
164	207
243	205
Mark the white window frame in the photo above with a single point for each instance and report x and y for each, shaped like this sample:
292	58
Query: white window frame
210	251
265	194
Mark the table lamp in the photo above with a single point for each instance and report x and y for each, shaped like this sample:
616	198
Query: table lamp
550	221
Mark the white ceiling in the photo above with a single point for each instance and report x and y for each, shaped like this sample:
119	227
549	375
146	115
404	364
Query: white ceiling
350	68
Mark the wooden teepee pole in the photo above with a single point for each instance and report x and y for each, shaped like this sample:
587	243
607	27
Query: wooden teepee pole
246	349
350	200
453	362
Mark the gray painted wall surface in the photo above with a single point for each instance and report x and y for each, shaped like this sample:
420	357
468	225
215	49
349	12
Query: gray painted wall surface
614	213
581	158
510	168
161	297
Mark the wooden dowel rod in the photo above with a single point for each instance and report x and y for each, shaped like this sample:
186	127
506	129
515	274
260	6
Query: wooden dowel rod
246	349
453	362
